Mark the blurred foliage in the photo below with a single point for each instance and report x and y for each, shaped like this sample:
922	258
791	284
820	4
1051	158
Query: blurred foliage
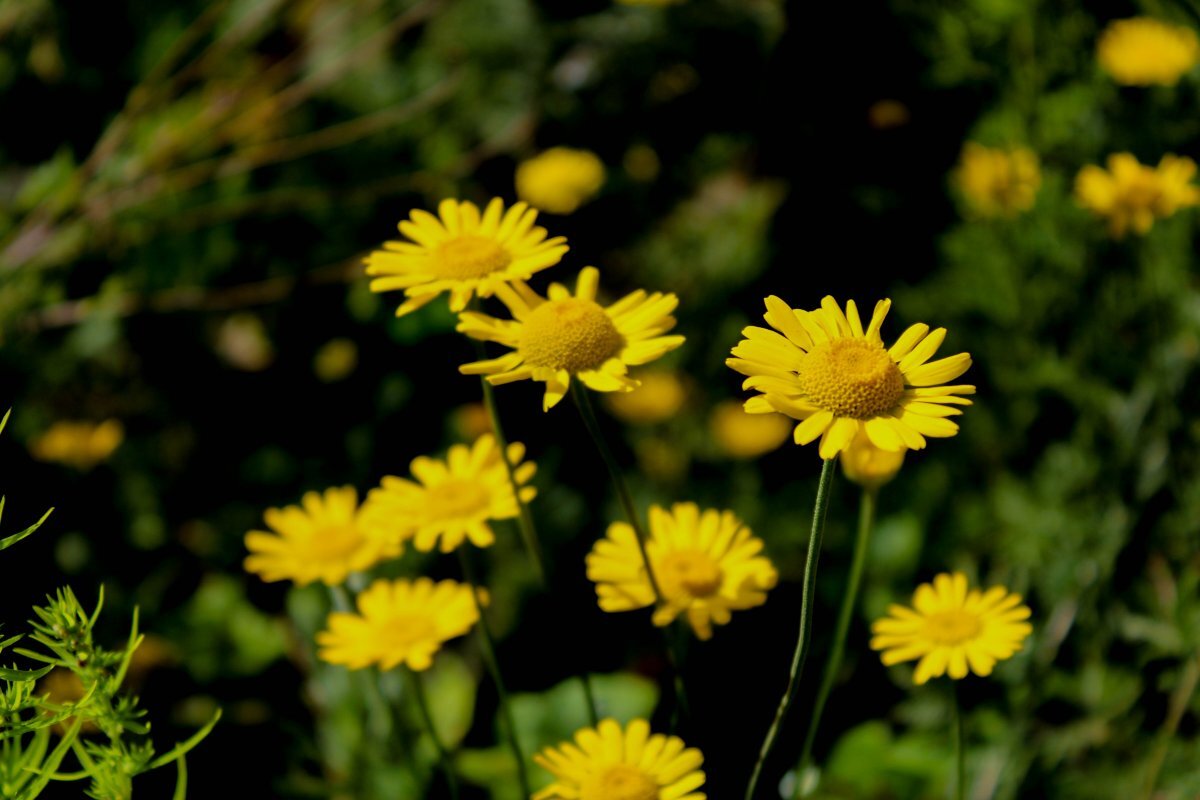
183	208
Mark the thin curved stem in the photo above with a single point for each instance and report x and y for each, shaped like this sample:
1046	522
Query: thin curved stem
373	696
488	645
583	403
1180	699
529	535
820	509
443	754
866	517
960	747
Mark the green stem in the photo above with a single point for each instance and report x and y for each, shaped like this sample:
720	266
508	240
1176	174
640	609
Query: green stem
866	516
583	403
488	645
373	698
524	519
820	509
960	747
444	758
1180	700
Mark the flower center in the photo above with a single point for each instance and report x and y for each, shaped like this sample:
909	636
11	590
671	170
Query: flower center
571	334
620	782
952	627
334	542
470	257
690	572
399	631
852	378
456	499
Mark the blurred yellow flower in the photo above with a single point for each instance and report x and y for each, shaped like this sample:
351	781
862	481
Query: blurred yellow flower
611	763
323	539
451	500
998	183
641	163
560	179
649	2
869	466
1132	195
470	421
883	115
706	564
823	368
560	336
398	622
81	445
1143	52
462	252
743	435
335	360
660	397
951	629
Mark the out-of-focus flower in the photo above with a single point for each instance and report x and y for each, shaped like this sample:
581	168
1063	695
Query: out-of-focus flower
323	539
1132	195
659	398
611	763
470	421
81	445
641	163
825	369
869	466
649	2
561	336
1144	52
743	435
242	343
884	115
707	564
451	500
560	179
998	183
398	622
63	687
463	252
951	629
335	360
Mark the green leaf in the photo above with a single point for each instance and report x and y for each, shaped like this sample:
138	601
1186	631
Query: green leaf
184	747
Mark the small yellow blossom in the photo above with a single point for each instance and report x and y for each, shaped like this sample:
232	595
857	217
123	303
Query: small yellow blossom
662	393
81	445
887	114
951	629
869	466
463	252
743	435
398	622
641	163
323	539
452	499
998	183
1132	195
561	336
610	763
826	370
560	179
1145	52
706	564
470	421
336	360
649	2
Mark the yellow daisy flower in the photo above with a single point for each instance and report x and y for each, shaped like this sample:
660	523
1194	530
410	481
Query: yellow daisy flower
870	466
706	565
951	629
398	622
81	445
451	500
611	763
998	183
560	180
823	368
562	335
1146	52
1132	195
462	252
322	539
